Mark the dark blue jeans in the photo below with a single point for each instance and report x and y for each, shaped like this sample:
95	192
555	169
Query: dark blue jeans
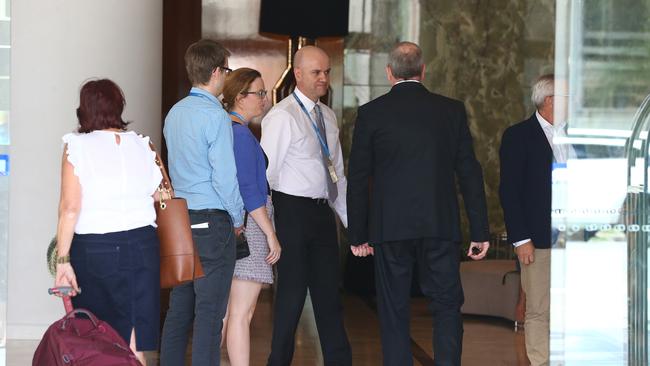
202	303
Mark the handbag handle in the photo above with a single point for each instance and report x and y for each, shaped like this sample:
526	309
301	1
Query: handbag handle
73	314
165	186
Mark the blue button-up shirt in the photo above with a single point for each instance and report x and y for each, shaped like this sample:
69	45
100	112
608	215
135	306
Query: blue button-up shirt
200	151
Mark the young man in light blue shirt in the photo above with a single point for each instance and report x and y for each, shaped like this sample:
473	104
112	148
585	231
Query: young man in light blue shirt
202	169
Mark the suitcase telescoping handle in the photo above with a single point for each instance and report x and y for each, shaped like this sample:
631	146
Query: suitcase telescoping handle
64	291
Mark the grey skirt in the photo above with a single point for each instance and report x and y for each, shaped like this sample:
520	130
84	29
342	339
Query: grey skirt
254	267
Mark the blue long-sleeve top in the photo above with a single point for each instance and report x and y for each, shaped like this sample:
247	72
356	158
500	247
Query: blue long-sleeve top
200	152
251	167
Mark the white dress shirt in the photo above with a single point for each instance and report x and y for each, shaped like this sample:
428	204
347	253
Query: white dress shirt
295	158
553	132
408	81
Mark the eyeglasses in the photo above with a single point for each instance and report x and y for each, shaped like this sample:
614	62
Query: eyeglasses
225	69
260	93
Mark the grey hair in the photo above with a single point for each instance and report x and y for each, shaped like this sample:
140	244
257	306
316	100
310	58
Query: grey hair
405	60
543	87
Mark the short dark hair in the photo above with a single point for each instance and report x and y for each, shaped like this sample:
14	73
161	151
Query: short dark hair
236	83
405	60
101	103
202	57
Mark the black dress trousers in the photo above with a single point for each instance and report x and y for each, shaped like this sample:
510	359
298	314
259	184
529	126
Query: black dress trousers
438	265
310	260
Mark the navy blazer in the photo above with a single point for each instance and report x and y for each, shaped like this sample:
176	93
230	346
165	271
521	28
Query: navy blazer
525	189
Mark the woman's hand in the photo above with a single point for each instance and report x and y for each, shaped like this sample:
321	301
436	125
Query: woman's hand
274	249
65	277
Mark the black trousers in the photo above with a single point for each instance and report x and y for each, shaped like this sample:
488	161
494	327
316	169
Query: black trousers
438	264
310	260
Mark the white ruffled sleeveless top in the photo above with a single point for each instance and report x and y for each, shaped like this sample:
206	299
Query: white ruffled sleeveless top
117	180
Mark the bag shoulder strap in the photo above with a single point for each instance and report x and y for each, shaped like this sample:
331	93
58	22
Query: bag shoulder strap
166	183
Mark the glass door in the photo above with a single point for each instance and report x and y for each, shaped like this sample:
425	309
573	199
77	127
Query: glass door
5	61
601	206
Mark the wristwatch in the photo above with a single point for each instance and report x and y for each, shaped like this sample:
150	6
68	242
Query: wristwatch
62	260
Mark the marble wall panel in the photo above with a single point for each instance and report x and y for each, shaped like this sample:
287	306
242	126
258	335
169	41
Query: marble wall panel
474	53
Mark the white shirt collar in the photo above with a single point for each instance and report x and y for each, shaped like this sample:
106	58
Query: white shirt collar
308	103
542	121
546	124
408	81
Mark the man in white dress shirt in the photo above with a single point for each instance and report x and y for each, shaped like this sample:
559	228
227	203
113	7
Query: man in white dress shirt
528	151
305	173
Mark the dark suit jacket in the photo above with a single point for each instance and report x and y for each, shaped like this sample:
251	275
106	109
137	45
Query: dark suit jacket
525	190
412	145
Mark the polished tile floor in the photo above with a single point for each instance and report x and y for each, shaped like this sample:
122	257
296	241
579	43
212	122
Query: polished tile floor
487	341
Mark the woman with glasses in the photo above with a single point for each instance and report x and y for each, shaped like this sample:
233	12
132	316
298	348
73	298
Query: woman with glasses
244	98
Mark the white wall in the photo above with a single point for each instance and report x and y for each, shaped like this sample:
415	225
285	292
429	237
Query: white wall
56	45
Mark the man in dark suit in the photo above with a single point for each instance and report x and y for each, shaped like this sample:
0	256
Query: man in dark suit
527	154
408	149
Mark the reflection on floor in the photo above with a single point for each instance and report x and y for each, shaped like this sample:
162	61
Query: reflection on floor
487	341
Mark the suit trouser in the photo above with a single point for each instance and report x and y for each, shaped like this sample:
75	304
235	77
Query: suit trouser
438	264
201	304
536	283
310	260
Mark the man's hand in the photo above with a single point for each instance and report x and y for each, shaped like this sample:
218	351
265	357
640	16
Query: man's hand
238	230
362	250
525	252
482	246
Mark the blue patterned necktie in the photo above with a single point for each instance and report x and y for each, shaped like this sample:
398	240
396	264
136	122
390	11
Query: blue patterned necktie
332	190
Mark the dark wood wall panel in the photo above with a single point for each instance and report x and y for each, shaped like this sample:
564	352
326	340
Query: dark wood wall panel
181	27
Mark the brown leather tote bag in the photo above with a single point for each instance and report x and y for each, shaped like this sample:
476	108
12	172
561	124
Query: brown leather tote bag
179	259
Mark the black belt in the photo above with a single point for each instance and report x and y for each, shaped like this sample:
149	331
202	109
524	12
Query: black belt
208	211
317	201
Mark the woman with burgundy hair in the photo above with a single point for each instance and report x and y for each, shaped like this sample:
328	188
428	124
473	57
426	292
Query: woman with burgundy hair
107	243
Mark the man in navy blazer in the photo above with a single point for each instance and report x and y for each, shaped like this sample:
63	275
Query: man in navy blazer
414	146
527	155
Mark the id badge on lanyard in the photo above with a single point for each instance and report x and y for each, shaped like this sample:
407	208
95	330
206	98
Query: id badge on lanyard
332	171
325	150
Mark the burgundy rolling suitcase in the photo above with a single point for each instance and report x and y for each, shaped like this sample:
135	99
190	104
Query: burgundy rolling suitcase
84	340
